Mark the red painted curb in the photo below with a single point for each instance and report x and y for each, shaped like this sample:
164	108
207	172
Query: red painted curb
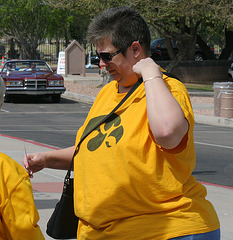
30	141
216	185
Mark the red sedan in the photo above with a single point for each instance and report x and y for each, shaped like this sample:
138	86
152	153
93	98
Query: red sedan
31	77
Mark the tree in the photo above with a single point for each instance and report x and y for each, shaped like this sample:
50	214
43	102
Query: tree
58	27
75	20
186	21
86	7
217	26
79	15
25	21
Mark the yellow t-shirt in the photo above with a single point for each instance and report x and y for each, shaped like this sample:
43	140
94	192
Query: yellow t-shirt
127	186
18	214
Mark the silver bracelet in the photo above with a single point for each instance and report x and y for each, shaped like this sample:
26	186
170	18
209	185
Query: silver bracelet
148	79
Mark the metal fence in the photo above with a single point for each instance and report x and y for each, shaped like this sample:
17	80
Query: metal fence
48	50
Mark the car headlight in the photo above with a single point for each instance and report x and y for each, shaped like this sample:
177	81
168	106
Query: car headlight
15	83
56	83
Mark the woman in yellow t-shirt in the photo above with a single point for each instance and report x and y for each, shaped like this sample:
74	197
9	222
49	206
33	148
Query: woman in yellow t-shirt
132	174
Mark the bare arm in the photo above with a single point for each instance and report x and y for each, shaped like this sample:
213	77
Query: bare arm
58	159
166	117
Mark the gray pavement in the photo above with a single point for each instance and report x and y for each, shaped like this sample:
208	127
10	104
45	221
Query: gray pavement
47	184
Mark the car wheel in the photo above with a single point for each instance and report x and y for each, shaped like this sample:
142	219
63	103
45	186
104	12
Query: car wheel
56	98
7	98
198	57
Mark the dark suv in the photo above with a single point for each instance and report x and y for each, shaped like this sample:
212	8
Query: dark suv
159	50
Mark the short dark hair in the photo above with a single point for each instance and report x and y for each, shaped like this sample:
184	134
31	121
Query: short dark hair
122	26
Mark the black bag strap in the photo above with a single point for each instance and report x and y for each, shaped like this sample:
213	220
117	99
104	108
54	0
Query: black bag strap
99	123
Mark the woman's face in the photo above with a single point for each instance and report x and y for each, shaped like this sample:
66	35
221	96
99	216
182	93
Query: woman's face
120	66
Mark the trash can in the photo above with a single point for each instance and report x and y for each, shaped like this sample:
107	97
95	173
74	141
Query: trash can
219	89
226	104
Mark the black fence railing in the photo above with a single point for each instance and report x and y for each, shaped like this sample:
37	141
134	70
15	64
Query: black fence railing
48	50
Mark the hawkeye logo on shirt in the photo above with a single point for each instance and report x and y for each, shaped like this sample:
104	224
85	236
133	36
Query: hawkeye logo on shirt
108	133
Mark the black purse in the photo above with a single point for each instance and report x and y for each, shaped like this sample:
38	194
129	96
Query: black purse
63	223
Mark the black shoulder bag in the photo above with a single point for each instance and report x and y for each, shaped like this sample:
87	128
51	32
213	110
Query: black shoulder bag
63	223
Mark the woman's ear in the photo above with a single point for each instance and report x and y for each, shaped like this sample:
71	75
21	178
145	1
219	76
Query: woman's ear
136	48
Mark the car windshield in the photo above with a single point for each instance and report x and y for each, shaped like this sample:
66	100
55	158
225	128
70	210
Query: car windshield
20	66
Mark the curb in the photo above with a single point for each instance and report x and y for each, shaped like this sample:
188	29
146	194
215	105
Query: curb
216	121
79	97
201	94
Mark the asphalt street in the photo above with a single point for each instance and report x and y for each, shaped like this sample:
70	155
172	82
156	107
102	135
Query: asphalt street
214	154
42	121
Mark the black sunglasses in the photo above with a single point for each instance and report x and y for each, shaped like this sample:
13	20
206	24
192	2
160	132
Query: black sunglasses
107	57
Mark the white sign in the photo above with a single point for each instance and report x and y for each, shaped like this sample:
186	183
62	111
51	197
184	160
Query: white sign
61	63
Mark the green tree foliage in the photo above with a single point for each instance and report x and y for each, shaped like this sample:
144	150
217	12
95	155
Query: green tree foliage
29	22
87	7
80	13
26	22
187	21
190	22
